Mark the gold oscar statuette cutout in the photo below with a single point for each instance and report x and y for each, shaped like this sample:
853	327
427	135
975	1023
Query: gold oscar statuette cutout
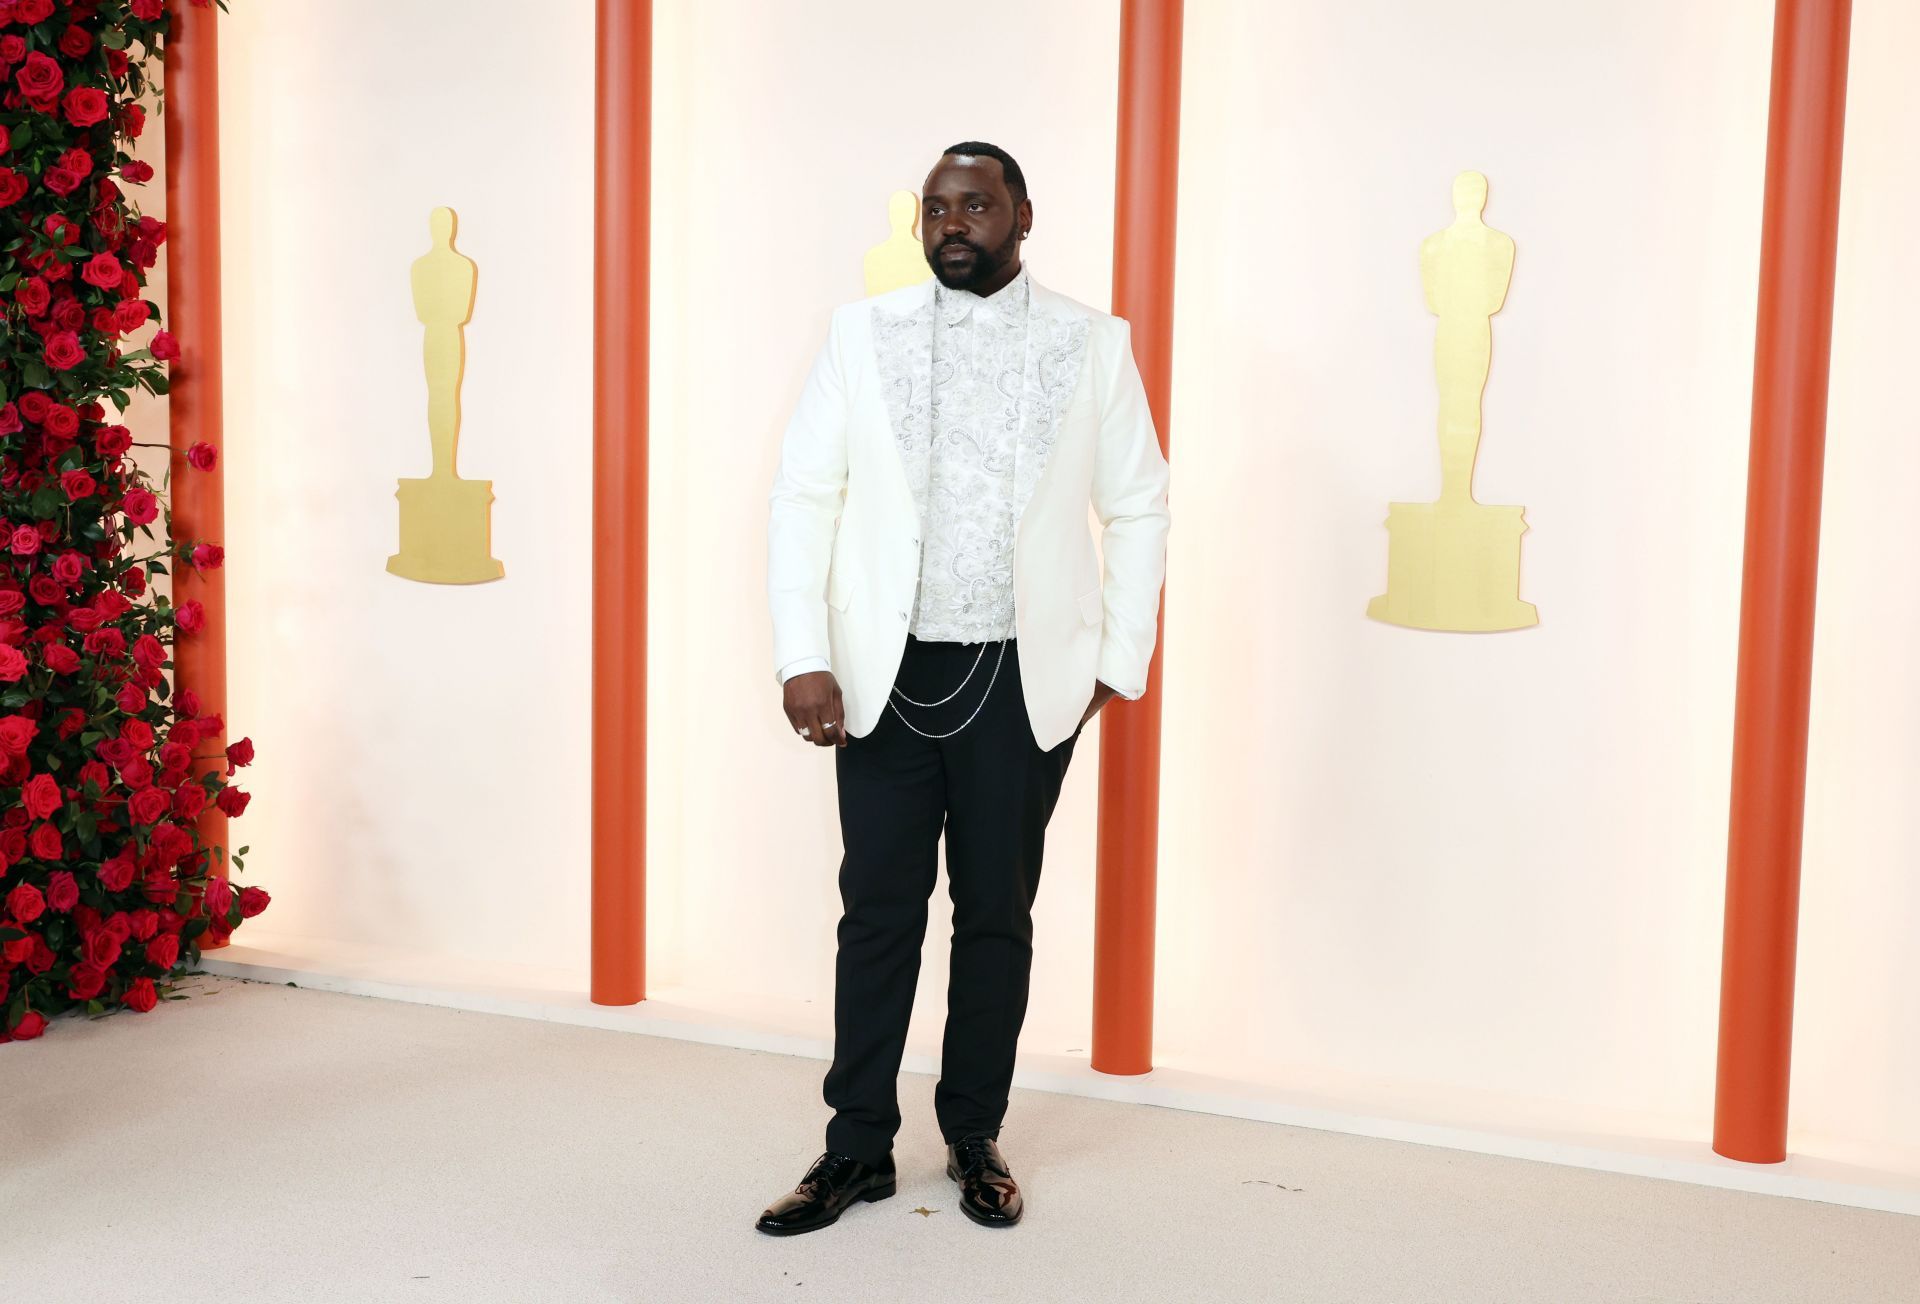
446	523
1455	564
899	260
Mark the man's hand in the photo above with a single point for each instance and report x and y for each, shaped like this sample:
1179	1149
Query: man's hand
1101	696
812	704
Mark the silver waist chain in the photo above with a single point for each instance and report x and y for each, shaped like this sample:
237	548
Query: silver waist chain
955	693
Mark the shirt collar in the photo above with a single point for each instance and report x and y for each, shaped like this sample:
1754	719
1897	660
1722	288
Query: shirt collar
1008	299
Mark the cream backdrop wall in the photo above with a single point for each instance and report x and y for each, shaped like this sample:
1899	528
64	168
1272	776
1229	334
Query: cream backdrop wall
422	771
1445	863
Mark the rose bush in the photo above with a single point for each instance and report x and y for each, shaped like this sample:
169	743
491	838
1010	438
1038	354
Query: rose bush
106	886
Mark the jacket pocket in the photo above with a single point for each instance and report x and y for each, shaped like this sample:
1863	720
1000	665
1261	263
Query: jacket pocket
1092	609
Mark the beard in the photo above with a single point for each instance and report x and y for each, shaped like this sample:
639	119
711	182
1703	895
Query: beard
987	264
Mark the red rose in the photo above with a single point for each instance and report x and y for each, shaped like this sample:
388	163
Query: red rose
25	541
218	897
150	652
102	270
45	843
61	659
62	420
12	665
117	872
86	105
164	346
12	49
252	901
63	893
232	802
191	616
31	1025
33	296
13	187
36	403
202	456
101	947
16	731
140	506
140	996
169	843
62	180
39	77
29	12
78	484
10	419
149	805
138	171
129	315
133	118
112	440
86	981
148	11
132	699
64	352
238	754
25	902
208	556
75	41
41	796
164	950
189	801
68	568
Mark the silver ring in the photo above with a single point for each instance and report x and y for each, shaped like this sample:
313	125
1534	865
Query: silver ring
804	732
828	724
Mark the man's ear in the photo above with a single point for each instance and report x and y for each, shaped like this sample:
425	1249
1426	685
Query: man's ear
1025	214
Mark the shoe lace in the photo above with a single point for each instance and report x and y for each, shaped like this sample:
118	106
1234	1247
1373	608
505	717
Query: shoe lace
831	1169
973	1153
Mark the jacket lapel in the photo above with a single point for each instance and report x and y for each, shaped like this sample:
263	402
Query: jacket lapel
903	357
1055	350
1056	347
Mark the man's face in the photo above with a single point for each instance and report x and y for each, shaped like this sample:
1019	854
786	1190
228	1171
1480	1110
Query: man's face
969	224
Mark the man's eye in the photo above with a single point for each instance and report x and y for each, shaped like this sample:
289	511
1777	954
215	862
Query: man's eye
976	206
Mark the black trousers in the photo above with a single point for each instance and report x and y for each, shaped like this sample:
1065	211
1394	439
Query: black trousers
991	790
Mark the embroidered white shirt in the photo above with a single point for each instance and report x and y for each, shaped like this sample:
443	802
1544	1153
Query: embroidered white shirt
965	593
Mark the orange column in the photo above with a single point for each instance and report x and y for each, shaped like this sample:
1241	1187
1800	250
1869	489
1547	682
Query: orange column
192	125
623	106
1147	174
1788	443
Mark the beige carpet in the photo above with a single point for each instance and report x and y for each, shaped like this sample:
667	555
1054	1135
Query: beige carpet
266	1143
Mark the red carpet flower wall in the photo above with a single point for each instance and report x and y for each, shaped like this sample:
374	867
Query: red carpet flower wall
105	890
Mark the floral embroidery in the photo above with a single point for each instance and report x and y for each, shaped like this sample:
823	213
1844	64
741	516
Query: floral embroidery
975	389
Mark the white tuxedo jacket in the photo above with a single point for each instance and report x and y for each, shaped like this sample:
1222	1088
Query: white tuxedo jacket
843	541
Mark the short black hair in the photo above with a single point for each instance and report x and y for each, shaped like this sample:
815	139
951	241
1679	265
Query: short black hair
1016	179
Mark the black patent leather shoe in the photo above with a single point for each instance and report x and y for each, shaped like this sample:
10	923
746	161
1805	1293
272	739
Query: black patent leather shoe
988	1194
831	1184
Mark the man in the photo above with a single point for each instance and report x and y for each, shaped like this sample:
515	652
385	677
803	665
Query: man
940	620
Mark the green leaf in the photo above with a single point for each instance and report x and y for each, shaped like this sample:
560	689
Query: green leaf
114	38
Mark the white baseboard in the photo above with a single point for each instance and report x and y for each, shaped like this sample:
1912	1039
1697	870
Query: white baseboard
1482	1124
